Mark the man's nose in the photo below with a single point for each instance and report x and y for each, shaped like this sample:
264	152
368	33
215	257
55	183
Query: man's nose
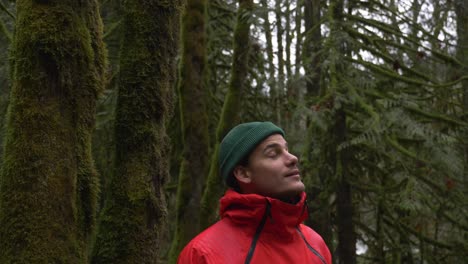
292	159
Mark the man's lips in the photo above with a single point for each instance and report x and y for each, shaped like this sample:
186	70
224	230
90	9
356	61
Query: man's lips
292	173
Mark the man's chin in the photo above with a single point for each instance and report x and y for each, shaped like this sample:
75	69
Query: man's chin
292	195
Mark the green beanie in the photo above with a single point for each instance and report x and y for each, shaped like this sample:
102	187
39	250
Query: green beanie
240	141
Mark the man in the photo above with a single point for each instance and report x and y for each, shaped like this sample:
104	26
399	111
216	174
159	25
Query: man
262	211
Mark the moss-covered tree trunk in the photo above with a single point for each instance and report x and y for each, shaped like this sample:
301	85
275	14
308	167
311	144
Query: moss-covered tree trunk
134	214
230	113
194	120
48	185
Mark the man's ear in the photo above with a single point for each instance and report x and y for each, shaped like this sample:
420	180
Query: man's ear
242	174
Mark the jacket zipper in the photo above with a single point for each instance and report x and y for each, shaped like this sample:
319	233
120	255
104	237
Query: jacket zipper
259	230
257	234
310	247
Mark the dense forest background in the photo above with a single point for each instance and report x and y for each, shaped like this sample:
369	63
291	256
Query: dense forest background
112	112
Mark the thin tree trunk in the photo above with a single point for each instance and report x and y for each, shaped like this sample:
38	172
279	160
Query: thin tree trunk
272	83
404	248
194	120
344	206
313	39
230	113
280	87
346	249
461	10
288	37
48	191
134	215
299	36
380	250
320	217
291	88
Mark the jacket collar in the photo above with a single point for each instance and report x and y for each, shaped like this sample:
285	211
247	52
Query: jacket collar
248	209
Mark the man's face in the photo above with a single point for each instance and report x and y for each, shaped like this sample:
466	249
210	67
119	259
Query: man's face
272	171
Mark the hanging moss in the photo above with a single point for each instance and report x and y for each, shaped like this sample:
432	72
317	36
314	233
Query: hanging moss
48	183
134	213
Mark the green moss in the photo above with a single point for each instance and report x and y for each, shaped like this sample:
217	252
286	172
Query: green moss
134	213
48	188
231	108
194	124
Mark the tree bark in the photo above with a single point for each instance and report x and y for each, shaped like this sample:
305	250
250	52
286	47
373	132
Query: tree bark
281	83
346	249
299	37
49	186
194	120
313	39
289	38
320	219
461	10
271	81
134	215
344	203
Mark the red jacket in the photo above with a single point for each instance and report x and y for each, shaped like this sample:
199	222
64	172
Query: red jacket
257	229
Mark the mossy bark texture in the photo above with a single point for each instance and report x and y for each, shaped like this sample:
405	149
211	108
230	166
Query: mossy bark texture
48	184
194	123
134	213
230	113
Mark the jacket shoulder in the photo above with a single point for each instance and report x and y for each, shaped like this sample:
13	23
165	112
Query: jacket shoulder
212	245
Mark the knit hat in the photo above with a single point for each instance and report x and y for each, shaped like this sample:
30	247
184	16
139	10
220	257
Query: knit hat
240	141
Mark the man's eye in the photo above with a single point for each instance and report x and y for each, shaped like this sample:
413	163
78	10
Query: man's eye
272	153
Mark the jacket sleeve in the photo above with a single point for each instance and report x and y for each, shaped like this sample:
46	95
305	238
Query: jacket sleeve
192	255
